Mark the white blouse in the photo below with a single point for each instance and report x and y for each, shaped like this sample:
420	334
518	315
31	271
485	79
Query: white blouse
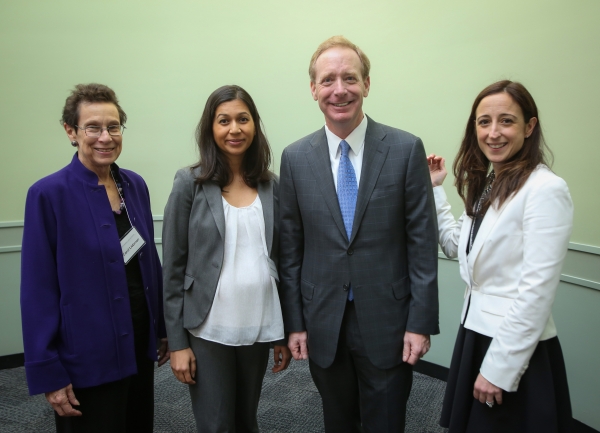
246	306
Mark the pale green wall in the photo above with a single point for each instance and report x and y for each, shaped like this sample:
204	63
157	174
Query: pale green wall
163	58
429	59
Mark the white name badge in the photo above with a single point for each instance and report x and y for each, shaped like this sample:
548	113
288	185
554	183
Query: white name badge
131	244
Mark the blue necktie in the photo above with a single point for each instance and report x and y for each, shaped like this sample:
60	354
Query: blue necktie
347	190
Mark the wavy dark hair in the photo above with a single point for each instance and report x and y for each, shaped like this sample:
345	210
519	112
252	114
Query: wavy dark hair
213	163
471	167
92	92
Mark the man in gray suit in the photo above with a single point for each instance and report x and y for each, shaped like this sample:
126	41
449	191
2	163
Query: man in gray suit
358	251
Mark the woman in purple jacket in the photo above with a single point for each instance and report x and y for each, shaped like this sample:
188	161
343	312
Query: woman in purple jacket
91	282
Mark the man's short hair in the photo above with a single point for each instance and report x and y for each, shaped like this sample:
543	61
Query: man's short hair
339	41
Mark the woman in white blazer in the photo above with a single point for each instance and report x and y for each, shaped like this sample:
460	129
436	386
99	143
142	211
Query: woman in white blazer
220	245
507	372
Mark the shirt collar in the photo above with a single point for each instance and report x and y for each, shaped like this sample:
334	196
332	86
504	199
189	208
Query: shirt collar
88	175
356	139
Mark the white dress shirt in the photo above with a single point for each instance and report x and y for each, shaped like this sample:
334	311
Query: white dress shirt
356	140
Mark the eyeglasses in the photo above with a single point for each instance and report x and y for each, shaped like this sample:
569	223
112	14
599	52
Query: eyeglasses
96	131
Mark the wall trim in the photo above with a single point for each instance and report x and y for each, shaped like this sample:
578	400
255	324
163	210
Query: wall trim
589	284
10	249
591	249
432	370
12	361
579	427
580	281
17	248
7	224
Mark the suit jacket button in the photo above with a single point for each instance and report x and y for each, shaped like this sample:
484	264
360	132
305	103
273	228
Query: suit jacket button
350	252
346	287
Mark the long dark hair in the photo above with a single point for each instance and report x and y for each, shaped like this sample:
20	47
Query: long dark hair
213	164
471	166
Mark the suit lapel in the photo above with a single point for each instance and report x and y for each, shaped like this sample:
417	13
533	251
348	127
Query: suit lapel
265	193
464	239
318	158
374	155
215	202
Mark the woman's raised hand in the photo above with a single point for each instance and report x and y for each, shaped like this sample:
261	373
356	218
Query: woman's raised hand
437	169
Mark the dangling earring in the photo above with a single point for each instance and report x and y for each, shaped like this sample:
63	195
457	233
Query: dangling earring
74	143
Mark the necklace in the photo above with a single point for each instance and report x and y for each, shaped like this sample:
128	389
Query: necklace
120	191
484	196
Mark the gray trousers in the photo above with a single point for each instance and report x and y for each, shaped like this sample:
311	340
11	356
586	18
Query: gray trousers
228	384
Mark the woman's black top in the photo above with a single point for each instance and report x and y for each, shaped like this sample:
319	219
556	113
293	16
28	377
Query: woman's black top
135	284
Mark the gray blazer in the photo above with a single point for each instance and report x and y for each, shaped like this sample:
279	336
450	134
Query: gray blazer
390	259
193	243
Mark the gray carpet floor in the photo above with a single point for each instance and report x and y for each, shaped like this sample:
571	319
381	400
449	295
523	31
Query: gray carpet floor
289	403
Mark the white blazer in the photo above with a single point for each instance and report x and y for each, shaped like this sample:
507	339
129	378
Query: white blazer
512	271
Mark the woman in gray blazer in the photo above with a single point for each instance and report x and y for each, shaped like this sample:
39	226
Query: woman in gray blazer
507	373
220	248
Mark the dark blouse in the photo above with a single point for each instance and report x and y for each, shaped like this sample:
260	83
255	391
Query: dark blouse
135	284
476	224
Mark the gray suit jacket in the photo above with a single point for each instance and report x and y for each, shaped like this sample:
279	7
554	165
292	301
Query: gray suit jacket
390	259
193	242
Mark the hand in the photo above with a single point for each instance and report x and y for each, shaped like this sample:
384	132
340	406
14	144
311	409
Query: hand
62	401
415	347
183	364
485	391
437	169
282	357
297	344
163	352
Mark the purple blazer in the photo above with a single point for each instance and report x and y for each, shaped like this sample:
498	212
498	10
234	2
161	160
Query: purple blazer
77	325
